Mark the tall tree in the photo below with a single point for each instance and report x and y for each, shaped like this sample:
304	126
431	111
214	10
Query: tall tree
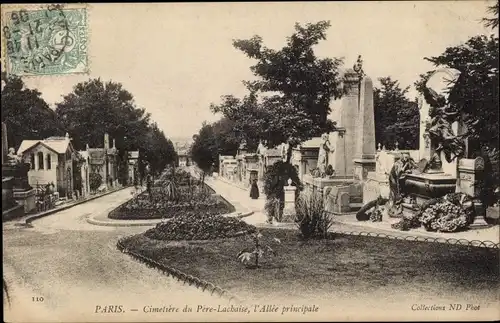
204	149
396	117
95	108
290	100
25	113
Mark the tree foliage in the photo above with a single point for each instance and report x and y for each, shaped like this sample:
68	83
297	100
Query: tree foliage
204	150
95	108
25	113
290	100
396	117
475	93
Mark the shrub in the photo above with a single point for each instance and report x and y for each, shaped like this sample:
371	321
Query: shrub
275	178
312	219
194	226
272	207
171	193
95	180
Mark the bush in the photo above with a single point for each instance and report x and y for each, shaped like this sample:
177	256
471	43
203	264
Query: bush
272	207
275	178
95	180
193	226
312	219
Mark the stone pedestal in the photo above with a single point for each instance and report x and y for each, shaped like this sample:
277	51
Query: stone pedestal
376	185
362	167
26	198
427	186
289	211
470	174
23	193
340	194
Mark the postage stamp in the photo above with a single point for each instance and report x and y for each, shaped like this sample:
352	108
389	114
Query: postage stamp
48	40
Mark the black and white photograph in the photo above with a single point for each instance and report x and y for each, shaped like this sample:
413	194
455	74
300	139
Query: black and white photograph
250	161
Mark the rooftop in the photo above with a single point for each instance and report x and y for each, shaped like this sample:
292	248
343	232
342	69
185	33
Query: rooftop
58	144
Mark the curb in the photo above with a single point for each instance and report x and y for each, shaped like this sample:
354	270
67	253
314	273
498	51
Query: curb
138	223
50	212
130	223
463	242
179	275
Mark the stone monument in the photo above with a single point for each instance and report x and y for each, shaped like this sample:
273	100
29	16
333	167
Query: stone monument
439	176
352	153
18	197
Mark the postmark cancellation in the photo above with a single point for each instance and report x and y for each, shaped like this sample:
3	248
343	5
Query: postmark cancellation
45	40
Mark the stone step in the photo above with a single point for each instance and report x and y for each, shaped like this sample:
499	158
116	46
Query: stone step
355	206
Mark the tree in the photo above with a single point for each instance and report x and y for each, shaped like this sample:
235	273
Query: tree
475	97
204	150
492	22
396	117
25	113
290	100
95	108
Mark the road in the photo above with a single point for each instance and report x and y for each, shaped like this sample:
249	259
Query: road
62	268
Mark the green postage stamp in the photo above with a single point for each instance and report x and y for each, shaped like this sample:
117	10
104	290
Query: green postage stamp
48	40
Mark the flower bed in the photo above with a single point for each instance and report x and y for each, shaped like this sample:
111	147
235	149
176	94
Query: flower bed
191	197
194	226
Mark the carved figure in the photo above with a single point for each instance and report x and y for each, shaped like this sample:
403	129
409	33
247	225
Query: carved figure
439	128
324	149
12	158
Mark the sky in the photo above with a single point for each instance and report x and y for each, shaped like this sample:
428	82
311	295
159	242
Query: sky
178	58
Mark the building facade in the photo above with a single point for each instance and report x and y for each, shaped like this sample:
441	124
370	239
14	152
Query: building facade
52	161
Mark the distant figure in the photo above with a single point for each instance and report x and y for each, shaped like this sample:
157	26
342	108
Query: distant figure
254	190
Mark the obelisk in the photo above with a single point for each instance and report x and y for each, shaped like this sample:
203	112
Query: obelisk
364	157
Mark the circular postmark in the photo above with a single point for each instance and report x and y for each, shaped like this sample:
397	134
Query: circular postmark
41	41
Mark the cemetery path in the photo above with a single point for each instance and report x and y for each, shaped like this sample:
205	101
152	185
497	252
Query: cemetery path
75	267
345	223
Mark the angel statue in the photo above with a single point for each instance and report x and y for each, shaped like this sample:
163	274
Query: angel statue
324	149
439	128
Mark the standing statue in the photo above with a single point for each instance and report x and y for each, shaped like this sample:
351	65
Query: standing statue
324	149
397	177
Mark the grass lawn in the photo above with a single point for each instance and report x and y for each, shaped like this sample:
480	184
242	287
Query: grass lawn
346	266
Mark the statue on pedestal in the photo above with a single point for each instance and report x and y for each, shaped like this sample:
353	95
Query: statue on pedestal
439	129
324	149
